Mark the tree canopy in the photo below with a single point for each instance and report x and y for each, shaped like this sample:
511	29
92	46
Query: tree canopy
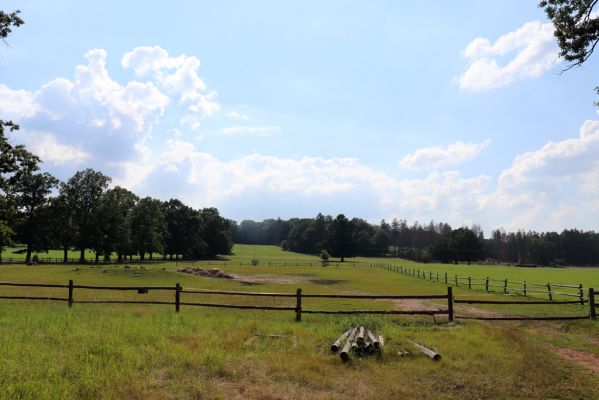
576	29
8	21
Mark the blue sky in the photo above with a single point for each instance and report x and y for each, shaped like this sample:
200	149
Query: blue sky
452	111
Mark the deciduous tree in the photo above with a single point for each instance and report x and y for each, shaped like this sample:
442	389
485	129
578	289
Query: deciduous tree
576	29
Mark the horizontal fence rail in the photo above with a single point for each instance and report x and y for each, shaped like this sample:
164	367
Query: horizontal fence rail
299	296
178	289
591	315
491	284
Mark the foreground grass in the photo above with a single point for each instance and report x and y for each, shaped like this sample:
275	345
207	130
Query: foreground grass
149	352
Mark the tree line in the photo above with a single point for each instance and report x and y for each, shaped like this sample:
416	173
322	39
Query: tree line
342	237
86	214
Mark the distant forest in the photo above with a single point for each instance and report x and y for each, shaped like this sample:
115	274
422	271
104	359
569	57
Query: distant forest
343	237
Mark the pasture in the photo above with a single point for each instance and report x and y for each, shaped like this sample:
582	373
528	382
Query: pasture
107	351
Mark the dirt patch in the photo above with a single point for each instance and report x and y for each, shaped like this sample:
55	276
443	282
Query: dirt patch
432	305
478	312
208	273
586	360
325	281
244	283
263	279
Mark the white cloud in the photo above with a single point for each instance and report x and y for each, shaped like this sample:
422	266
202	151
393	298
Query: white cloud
236	115
255	130
47	147
16	104
201	179
146	60
178	76
541	187
441	157
535	50
565	160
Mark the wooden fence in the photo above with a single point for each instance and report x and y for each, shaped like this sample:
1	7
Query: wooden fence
179	290
298	309
494	285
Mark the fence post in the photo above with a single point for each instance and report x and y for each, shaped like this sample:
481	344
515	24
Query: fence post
469	282
177	297
298	305
549	291
505	286
456	281
487	284
450	303
524	284
581	293
446	277
437	277
593	312
70	293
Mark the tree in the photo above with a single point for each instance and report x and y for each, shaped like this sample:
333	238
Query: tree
340	238
31	192
215	232
8	154
184	233
113	227
83	192
148	227
465	245
7	21
63	229
15	161
576	29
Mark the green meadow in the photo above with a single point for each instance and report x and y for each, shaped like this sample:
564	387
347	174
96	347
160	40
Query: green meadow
110	351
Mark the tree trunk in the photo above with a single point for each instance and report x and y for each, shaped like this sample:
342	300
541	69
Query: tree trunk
119	257
342	259
150	256
97	257
28	256
65	254
142	256
82	255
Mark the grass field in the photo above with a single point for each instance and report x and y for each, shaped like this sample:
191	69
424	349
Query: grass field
148	352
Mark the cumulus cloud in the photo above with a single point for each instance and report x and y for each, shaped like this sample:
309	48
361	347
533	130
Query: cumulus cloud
532	50
95	114
442	157
541	187
178	76
47	147
16	104
336	184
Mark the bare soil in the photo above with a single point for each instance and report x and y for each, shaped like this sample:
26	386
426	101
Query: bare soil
432	305
586	360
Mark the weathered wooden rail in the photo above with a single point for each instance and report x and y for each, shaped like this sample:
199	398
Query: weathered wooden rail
298	308
487	284
179	290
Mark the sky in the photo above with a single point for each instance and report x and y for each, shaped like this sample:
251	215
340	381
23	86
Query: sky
430	110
